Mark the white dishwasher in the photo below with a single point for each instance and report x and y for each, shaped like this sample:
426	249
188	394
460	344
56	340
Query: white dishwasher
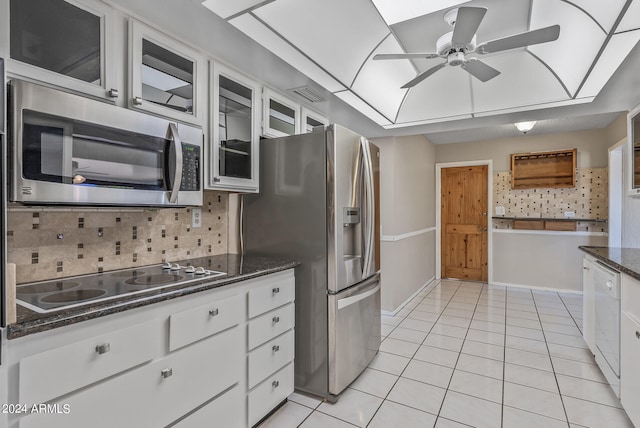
607	322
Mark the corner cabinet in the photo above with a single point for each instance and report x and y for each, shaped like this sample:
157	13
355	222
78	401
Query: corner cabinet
67	44
235	131
167	78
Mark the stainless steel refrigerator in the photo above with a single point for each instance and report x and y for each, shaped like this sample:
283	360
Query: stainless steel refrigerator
319	204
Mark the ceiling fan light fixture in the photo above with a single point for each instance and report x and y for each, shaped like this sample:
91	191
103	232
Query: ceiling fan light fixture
525	127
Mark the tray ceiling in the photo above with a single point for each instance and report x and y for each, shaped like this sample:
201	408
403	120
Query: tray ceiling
333	42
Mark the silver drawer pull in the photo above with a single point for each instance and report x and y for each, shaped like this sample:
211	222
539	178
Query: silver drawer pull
275	290
166	373
275	320
214	312
638	334
276	348
103	349
137	101
275	384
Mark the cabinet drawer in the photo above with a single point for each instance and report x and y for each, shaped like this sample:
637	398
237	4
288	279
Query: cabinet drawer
156	394
194	324
269	325
629	373
271	295
271	392
270	357
59	371
227	411
630	299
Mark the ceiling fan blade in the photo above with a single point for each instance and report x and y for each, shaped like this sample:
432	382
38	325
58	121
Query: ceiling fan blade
542	35
480	70
467	23
406	56
420	77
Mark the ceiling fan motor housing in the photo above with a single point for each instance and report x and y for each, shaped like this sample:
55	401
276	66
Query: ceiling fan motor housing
444	45
455	58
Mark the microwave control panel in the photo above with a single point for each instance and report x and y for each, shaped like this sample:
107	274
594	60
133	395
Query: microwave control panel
190	167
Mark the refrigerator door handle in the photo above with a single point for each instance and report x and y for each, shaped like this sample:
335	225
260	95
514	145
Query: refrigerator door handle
352	300
368	231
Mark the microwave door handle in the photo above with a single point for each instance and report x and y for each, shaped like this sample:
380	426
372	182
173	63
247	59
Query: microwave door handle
176	144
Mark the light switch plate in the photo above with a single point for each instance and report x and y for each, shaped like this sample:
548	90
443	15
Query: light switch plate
569	214
500	210
196	217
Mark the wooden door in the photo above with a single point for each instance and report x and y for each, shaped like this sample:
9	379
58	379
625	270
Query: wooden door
464	223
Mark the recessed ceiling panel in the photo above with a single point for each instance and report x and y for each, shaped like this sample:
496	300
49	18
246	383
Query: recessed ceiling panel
254	29
394	11
379	82
571	56
226	8
445	93
616	51
605	12
523	82
337	34
354	101
631	19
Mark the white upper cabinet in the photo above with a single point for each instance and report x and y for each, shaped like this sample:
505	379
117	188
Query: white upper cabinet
633	138
235	131
281	116
63	43
167	78
310	119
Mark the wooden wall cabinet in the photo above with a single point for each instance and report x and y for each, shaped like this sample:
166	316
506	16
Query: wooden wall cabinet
544	169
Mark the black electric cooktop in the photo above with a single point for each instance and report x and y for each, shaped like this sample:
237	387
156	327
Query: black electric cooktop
54	295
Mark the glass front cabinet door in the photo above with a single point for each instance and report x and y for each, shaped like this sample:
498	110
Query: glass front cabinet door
235	131
63	43
167	77
281	116
311	119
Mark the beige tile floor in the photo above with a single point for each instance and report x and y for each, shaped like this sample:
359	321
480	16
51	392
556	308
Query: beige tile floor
470	354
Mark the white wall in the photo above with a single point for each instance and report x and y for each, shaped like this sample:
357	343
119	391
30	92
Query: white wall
407	199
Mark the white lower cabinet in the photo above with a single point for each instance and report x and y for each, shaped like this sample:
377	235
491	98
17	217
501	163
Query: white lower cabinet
186	362
630	348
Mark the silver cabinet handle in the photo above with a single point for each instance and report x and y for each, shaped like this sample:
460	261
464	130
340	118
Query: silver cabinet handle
275	290
137	101
216	179
214	312
166	373
275	384
585	268
113	93
103	349
275	348
275	320
638	334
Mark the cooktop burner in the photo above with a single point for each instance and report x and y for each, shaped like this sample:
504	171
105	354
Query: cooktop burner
48	296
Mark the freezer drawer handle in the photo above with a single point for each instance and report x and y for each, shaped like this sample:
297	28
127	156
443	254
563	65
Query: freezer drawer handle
103	349
166	373
275	290
275	348
214	312
275	320
275	384
348	301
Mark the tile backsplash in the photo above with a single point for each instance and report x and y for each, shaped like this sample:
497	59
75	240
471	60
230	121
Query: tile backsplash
589	199
54	243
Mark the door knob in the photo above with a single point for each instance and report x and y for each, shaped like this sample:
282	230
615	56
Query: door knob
484	229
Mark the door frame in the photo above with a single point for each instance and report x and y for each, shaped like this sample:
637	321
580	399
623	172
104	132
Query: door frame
616	191
439	167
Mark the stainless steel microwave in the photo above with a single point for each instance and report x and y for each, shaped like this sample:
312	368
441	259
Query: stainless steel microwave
67	149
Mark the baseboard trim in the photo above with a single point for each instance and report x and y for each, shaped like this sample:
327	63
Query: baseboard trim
535	287
429	284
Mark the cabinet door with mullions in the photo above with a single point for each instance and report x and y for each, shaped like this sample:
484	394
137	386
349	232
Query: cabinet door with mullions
235	130
281	116
167	77
63	43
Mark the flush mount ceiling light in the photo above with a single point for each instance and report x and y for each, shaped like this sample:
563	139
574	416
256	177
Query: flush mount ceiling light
525	127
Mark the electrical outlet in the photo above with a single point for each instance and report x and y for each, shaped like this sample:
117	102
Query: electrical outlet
196	217
500	210
569	214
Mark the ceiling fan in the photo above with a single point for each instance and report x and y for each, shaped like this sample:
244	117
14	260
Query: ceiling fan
455	45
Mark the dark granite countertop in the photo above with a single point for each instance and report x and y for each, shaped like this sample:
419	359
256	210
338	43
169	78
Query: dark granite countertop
626	260
238	268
